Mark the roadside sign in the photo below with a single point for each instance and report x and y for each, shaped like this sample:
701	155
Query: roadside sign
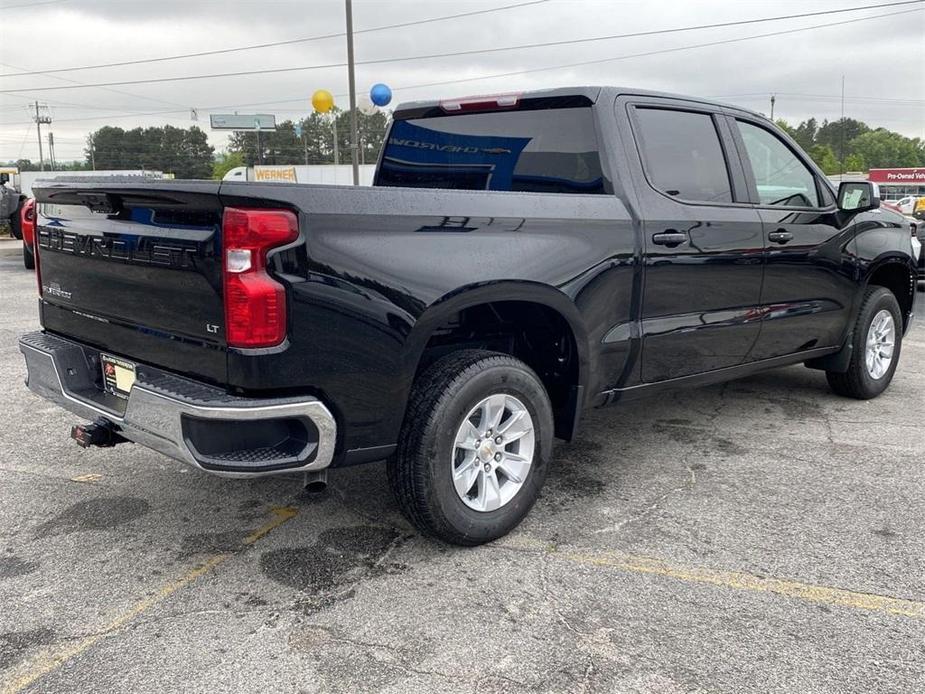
237	121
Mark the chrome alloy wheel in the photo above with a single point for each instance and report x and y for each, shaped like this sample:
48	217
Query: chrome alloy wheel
881	338
493	452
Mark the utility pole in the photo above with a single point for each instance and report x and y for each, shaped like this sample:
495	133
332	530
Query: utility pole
351	80
772	108
259	151
39	119
92	153
51	150
841	145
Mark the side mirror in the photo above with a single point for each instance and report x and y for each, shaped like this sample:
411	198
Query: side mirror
858	196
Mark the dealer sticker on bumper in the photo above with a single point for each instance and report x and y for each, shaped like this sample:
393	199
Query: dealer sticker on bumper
118	375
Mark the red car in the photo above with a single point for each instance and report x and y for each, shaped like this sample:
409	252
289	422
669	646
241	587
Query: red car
27	224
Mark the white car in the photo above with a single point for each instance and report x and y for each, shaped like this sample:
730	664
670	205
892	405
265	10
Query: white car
907	204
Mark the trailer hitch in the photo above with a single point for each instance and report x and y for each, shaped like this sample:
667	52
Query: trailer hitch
100	433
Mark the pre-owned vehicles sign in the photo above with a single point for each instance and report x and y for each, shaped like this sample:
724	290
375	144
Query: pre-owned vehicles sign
907	175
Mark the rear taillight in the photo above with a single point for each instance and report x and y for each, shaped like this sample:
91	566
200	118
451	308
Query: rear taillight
255	303
27	224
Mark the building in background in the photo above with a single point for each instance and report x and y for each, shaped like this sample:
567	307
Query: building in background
894	183
899	183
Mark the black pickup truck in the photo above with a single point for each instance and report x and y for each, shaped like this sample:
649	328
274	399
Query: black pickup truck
519	259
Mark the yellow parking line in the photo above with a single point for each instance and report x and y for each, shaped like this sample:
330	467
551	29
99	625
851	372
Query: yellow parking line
52	659
736	580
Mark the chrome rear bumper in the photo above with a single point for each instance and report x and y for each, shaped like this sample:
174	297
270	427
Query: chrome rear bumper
184	419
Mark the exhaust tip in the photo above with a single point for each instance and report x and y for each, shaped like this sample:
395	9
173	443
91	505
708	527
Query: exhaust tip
316	482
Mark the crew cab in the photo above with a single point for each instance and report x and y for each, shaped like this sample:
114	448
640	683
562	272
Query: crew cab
519	259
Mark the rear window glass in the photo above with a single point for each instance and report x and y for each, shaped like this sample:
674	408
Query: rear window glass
548	151
683	155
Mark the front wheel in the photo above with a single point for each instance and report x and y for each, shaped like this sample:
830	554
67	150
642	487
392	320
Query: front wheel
877	341
474	447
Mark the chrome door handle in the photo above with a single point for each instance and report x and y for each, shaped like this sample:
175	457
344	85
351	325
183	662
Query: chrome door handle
670	238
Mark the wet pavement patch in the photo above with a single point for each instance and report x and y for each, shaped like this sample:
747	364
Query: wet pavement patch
102	513
14	643
338	559
569	472
730	448
11	567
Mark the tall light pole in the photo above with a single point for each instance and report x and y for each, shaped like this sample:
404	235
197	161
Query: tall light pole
351	79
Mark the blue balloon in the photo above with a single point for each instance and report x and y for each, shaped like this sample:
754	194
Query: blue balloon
380	94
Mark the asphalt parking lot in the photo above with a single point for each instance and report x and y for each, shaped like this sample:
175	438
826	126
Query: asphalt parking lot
764	535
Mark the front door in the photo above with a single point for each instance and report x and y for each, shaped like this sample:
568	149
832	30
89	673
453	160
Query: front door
809	274
703	247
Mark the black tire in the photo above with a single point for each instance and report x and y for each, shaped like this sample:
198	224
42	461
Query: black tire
420	472
28	257
857	382
16	225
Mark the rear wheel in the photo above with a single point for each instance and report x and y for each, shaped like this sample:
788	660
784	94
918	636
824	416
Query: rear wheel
876	347
28	257
474	448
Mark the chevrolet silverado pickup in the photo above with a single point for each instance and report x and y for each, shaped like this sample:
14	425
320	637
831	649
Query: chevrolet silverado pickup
519	259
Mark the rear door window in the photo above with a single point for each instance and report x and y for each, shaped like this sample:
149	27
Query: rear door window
544	150
682	154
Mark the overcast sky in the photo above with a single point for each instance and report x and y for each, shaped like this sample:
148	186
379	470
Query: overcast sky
883	59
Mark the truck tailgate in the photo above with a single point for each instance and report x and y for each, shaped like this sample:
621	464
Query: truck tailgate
134	269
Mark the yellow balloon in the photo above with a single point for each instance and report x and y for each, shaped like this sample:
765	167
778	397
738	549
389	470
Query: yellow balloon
323	101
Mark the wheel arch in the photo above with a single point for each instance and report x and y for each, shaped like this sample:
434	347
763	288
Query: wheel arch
512	294
898	274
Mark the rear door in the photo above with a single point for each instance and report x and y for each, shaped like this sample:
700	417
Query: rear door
809	280
703	247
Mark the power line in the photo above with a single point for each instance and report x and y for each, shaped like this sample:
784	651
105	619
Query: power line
648	53
114	91
288	42
532	70
245	73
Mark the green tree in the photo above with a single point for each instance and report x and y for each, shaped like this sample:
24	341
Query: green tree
280	146
825	158
225	162
184	153
855	162
786	127
806	134
838	133
316	146
883	148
